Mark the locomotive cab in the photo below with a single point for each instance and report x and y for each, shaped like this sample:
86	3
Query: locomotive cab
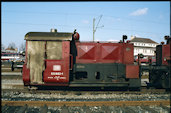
47	58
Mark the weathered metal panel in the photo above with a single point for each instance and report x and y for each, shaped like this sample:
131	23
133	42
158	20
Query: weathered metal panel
91	52
100	73
26	71
54	50
159	55
110	53
128	53
135	83
57	71
86	52
166	54
48	36
26	75
132	71
35	60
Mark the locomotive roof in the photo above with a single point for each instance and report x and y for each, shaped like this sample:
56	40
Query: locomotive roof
48	36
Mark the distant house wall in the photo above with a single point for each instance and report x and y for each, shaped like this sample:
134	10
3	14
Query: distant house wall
144	46
8	50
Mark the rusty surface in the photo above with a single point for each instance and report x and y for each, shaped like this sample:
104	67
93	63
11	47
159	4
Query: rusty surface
87	103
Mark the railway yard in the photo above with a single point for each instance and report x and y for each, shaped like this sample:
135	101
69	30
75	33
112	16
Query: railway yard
19	99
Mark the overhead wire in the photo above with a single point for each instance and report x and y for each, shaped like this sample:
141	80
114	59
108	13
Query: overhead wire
88	27
64	13
57	13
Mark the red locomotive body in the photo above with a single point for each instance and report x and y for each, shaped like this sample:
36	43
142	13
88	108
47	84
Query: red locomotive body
60	59
92	52
57	71
89	52
166	54
163	54
47	59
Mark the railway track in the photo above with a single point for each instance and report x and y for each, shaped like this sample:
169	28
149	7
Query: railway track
81	96
19	99
87	103
86	106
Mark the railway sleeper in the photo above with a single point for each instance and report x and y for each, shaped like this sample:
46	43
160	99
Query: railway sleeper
165	108
105	108
128	109
4	108
44	109
22	109
86	109
65	109
11	109
147	108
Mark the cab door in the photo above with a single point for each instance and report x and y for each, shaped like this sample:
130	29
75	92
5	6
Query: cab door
57	62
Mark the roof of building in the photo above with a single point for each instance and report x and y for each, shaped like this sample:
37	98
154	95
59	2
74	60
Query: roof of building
10	49
144	40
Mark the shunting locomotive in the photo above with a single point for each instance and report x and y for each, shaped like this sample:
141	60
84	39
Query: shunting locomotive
60	59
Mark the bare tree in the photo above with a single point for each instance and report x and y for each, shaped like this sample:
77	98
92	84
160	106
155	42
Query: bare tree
22	47
12	45
2	47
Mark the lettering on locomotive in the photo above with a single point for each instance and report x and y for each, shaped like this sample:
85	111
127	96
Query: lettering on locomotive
80	66
59	77
57	73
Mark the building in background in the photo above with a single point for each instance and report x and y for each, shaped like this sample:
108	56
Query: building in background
11	50
10	54
144	46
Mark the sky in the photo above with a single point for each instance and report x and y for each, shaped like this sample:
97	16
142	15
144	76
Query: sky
141	19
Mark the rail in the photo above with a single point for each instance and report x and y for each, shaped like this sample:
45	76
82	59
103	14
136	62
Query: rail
83	103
